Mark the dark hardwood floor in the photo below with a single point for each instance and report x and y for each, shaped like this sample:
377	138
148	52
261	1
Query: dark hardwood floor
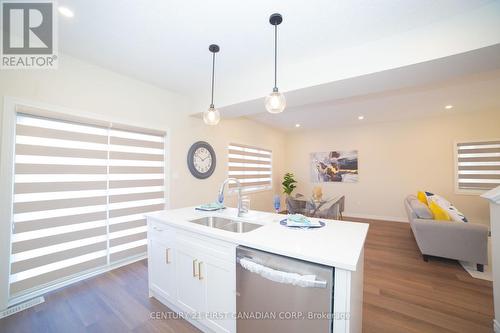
402	293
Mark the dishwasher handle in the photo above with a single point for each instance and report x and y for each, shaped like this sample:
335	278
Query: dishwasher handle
304	281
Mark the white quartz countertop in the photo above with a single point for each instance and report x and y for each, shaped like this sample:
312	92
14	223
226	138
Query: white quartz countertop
339	244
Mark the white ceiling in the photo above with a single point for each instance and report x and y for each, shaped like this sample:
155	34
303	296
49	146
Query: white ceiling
472	94
470	82
165	42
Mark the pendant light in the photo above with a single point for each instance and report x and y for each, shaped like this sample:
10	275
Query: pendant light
275	101
212	115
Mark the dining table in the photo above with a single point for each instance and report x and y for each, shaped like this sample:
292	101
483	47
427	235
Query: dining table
313	206
316	205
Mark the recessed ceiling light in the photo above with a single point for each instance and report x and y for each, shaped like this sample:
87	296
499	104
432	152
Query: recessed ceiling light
447	107
361	117
297	125
65	11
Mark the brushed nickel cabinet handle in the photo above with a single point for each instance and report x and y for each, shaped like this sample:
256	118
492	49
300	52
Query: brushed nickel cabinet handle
194	268
200	277
167	256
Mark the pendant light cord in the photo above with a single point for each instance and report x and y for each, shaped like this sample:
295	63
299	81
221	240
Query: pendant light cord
213	74
275	55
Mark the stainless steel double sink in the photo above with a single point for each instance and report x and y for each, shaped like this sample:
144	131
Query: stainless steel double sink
226	224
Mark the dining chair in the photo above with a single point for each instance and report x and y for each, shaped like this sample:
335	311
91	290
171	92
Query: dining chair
310	208
331	212
341	202
295	206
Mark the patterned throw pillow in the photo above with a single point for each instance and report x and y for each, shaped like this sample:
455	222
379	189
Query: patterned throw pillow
438	212
445	205
421	210
422	198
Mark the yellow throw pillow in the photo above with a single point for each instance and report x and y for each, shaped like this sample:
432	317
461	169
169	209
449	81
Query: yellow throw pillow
422	198
438	212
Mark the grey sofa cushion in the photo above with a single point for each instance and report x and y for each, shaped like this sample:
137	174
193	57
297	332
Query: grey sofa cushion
420	209
411	197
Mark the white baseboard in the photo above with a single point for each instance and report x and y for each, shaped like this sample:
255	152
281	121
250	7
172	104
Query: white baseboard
496	326
20	307
376	217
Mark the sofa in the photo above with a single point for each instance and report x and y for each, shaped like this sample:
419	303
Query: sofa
447	239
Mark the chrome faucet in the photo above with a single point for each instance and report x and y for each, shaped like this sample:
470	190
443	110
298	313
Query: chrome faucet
241	210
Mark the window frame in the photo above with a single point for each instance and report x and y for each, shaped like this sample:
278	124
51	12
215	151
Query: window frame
7	154
244	190
456	186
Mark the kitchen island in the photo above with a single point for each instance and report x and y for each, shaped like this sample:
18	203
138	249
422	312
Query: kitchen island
193	267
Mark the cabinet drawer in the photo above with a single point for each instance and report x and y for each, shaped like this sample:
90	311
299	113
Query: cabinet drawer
208	246
160	231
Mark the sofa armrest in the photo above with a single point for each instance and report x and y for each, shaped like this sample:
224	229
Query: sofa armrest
455	240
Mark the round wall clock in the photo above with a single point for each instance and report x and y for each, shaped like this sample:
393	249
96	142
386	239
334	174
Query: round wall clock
201	160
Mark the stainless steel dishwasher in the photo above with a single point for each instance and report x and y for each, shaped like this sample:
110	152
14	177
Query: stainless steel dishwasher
281	294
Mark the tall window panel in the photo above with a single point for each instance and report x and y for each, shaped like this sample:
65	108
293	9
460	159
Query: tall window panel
136	186
478	165
80	192
252	166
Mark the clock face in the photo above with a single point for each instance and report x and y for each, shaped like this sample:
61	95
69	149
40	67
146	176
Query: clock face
201	160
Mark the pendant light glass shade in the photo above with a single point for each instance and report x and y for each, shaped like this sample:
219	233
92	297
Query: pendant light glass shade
211	116
275	102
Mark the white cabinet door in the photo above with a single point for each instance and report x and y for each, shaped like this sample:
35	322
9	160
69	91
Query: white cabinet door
162	268
220	293
190	288
196	274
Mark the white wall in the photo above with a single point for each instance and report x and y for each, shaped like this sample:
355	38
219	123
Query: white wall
81	86
396	159
493	199
495	232
85	89
90	89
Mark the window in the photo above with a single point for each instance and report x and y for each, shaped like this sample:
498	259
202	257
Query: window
477	166
251	166
80	192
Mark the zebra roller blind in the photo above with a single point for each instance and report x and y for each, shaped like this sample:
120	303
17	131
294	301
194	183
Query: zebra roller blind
252	166
80	192
478	165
